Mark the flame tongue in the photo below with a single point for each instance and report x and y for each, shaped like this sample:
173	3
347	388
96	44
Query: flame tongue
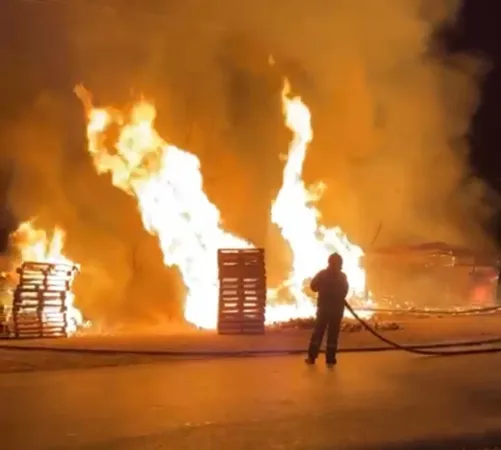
293	212
35	245
168	185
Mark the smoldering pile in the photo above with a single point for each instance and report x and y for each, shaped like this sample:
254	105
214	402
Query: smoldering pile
347	326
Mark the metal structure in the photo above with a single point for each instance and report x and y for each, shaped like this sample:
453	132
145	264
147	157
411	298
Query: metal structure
242	291
42	301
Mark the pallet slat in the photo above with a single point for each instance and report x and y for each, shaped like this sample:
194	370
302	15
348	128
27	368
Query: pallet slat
242	291
41	299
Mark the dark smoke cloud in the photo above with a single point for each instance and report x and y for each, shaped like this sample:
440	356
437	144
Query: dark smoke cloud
390	116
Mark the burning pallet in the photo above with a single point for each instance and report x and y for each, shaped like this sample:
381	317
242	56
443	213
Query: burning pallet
42	304
242	291
4	321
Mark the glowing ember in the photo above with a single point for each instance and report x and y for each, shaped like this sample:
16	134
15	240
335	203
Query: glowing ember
35	245
295	214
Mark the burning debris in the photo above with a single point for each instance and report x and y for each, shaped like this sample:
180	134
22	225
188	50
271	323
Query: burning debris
43	301
348	325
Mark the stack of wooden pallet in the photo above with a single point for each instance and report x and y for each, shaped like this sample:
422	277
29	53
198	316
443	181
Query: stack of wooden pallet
4	321
242	291
42	300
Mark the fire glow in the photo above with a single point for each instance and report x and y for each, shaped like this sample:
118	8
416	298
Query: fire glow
168	185
36	245
294	212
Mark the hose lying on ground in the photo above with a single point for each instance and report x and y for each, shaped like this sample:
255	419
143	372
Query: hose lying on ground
241	353
421	350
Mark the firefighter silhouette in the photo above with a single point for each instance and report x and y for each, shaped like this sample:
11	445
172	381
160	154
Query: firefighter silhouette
331	286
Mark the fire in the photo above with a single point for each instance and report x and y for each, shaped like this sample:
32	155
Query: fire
295	214
36	245
168	186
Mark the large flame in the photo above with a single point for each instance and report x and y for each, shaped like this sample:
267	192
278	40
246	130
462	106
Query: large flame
168	186
297	217
36	245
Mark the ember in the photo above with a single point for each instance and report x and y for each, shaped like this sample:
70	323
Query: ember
348	325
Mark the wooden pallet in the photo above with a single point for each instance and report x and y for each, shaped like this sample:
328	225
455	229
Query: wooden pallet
41	300
4	321
242	291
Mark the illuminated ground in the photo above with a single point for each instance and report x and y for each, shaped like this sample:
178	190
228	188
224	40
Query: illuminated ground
368	401
413	331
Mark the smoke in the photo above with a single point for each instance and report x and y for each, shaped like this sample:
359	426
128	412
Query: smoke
390	114
391	110
397	129
121	263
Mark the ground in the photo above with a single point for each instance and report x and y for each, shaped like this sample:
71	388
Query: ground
370	401
158	345
147	401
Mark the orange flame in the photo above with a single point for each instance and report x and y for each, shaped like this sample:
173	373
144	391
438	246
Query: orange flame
36	245
168	186
297	217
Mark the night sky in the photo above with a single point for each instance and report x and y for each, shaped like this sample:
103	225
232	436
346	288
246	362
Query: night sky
479	31
51	66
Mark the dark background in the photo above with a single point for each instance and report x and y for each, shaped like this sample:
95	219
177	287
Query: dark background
479	31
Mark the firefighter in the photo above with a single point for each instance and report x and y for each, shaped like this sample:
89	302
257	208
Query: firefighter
331	286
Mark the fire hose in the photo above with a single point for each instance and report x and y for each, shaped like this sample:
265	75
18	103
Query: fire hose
431	349
423	350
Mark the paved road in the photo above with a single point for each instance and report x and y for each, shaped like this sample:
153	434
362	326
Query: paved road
368	401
